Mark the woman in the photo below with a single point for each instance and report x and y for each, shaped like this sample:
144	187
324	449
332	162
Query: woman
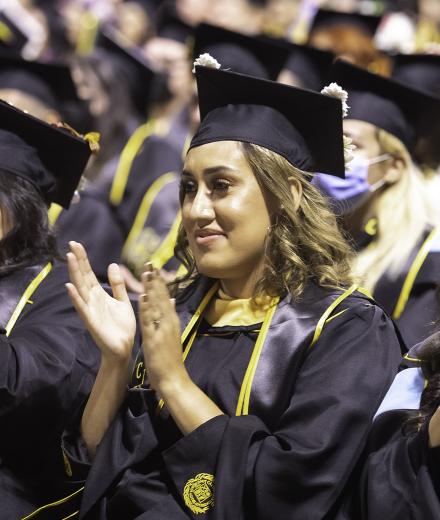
47	361
276	341
390	207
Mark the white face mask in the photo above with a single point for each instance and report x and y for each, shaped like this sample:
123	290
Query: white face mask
347	194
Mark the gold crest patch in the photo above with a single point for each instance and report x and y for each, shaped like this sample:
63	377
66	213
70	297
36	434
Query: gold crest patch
199	493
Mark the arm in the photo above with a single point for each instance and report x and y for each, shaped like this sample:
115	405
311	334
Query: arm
189	406
112	324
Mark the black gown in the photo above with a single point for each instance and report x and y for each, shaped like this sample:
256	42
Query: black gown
289	455
413	305
400	478
48	364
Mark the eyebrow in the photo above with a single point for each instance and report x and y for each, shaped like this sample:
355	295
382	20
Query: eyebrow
211	171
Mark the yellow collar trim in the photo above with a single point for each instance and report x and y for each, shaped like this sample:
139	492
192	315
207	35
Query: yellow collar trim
224	310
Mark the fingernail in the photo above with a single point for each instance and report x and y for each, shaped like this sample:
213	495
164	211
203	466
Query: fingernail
144	298
148	266
148	276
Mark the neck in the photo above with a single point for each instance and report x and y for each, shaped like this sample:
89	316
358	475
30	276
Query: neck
355	222
240	288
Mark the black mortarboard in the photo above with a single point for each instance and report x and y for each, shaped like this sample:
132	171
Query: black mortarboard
170	25
302	126
11	37
252	55
136	69
421	71
325	18
51	83
51	158
383	102
311	65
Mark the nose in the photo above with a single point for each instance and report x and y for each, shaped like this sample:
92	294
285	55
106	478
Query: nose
202	209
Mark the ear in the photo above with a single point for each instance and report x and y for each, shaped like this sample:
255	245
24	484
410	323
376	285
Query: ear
395	170
296	190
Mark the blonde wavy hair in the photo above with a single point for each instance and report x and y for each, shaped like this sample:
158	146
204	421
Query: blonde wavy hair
303	245
404	212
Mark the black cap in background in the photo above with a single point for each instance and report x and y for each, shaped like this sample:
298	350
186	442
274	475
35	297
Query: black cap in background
302	126
253	55
311	65
170	25
421	71
384	102
51	83
137	70
52	159
326	18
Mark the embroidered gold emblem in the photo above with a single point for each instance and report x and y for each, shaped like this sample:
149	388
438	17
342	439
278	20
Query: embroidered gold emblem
199	493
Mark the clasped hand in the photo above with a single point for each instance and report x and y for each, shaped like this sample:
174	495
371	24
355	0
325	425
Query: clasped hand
112	324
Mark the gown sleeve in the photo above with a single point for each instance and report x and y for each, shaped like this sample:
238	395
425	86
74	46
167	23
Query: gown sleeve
47	368
300	467
400	479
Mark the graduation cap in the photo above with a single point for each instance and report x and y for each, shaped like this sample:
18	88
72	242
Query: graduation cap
253	55
384	102
302	126
311	65
170	25
50	83
51	158
421	71
11	37
137	70
325	18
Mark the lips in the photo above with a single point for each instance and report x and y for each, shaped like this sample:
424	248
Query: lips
205	237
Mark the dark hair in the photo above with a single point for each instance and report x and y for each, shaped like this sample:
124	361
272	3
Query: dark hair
29	238
429	355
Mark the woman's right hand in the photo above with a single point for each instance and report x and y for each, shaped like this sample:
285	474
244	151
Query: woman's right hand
110	320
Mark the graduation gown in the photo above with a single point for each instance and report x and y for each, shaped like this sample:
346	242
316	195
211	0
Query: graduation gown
94	223
400	478
48	364
291	434
412	298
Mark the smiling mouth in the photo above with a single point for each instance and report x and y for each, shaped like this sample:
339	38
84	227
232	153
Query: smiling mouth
207	239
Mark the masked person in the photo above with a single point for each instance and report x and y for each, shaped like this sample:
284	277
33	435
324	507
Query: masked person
390	207
275	339
48	360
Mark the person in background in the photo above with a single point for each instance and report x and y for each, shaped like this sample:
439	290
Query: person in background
389	205
349	36
48	360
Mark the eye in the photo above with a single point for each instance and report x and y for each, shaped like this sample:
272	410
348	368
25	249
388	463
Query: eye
221	185
187	187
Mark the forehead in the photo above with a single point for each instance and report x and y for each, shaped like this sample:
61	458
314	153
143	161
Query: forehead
360	130
221	153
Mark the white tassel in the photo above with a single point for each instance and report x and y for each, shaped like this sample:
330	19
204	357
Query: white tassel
206	60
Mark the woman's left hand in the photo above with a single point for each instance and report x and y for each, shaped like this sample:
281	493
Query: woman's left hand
160	333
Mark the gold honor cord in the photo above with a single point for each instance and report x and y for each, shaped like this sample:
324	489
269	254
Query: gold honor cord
54	212
145	207
412	274
245	391
128	155
31	288
6	34
54	504
88	29
191	325
165	251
